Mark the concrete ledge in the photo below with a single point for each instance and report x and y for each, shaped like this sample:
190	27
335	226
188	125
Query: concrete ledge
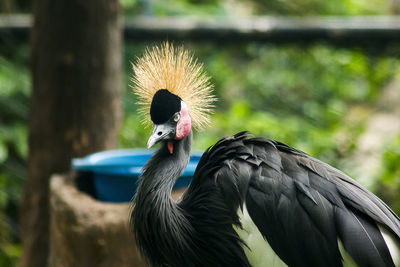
87	232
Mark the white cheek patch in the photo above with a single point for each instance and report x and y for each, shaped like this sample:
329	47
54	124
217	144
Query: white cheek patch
184	124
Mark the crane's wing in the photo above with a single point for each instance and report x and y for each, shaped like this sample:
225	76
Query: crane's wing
302	206
315	202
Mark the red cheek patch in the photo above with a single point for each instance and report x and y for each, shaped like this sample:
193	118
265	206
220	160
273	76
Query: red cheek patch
184	125
170	145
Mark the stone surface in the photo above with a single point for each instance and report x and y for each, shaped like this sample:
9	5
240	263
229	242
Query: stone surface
87	232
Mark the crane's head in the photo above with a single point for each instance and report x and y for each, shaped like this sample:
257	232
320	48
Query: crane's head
170	117
172	87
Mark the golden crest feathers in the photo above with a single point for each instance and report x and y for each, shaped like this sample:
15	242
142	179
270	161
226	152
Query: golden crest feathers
174	69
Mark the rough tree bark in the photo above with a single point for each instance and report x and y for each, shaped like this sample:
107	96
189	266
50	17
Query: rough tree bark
75	102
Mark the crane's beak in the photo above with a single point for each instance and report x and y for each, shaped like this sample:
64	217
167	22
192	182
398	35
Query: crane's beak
161	132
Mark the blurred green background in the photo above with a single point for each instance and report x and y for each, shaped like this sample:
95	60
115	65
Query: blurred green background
317	98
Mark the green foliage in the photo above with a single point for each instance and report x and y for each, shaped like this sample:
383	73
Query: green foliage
314	98
173	7
14	90
257	7
132	130
310	97
133	133
303	96
389	180
391	162
225	8
318	7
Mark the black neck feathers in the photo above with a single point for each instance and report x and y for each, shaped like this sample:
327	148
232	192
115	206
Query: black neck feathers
195	231
157	221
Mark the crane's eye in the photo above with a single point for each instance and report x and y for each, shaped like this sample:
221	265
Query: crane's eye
177	116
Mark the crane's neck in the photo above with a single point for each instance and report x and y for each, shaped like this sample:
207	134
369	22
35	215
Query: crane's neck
156	219
163	169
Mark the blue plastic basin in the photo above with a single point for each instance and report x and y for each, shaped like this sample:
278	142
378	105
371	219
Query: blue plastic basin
115	172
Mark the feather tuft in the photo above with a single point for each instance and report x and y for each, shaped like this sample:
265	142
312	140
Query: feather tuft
174	69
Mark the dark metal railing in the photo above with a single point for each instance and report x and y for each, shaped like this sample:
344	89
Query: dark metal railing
342	30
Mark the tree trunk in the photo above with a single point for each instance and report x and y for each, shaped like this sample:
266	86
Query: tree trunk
75	102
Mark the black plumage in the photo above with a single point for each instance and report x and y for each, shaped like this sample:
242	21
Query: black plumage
163	106
301	206
196	231
252	201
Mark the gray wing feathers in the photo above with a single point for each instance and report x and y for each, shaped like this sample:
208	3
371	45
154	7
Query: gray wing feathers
315	204
353	194
301	205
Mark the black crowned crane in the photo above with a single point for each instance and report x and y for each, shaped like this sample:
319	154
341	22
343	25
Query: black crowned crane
252	201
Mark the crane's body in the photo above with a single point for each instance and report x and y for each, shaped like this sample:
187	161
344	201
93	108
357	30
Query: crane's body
252	202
